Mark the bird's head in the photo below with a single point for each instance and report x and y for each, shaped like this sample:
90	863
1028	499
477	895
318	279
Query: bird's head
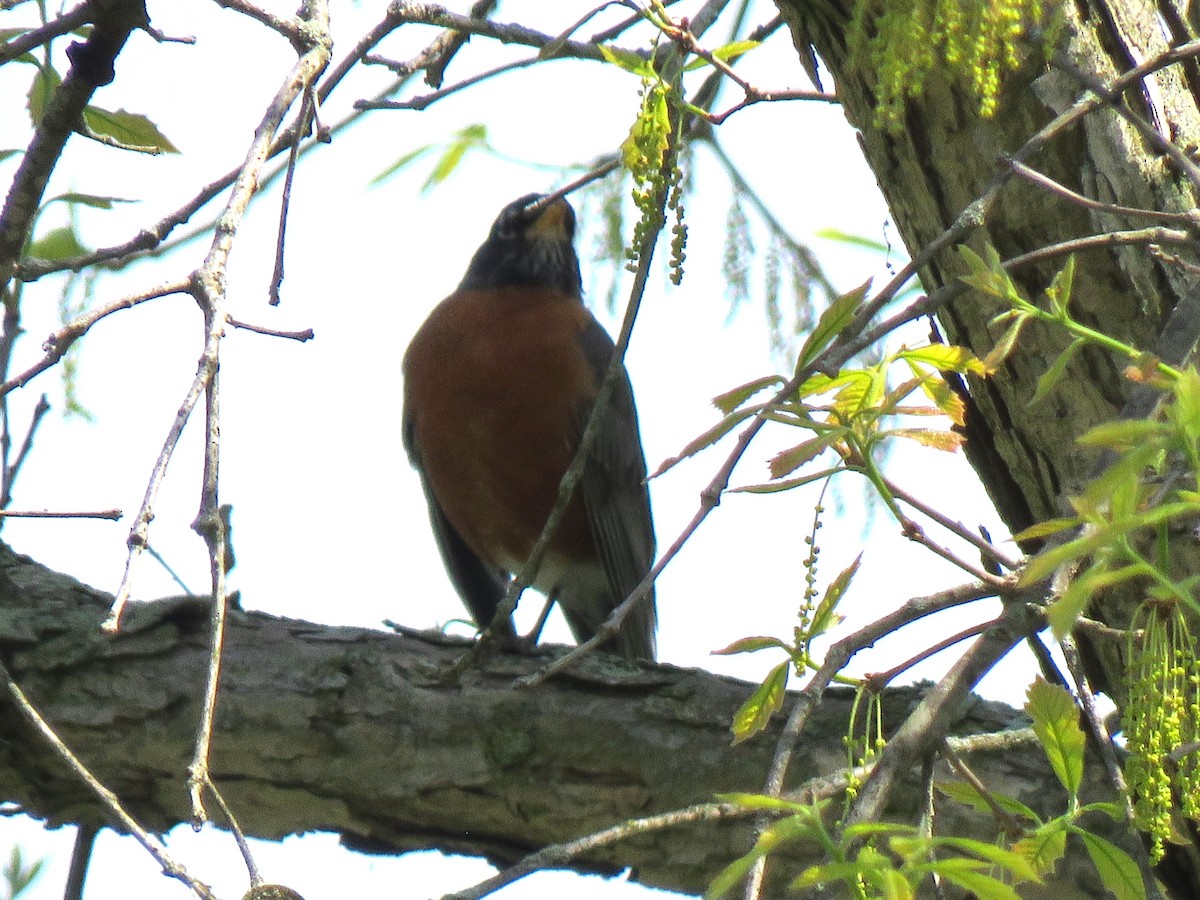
531	244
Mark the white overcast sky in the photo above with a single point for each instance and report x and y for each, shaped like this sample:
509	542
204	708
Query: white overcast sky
329	521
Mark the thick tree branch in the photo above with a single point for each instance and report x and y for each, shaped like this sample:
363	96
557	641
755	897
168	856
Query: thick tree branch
354	731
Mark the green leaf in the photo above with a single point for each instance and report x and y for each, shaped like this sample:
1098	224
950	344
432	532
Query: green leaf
93	200
966	794
731	875
985	887
41	90
707	439
766	700
1045	529
1054	374
1016	864
945	358
788	461
731	400
1121	434
8	154
774	487
1004	346
129	131
944	398
1063	612
1045	846
938	439
1059	291
1118	872
1056	723
854	240
824	617
752	645
400	164
724	53
628	60
470	138
61	243
833	321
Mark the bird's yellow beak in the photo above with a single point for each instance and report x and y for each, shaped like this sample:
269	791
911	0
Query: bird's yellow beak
554	222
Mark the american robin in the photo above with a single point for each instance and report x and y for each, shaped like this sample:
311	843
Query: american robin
499	383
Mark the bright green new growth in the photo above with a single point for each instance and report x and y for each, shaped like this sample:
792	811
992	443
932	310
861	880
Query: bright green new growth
1161	720
973	41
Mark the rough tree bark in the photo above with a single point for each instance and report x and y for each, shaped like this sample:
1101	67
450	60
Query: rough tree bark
353	731
944	159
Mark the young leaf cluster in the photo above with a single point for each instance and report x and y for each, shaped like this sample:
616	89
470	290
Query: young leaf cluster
893	860
1119	534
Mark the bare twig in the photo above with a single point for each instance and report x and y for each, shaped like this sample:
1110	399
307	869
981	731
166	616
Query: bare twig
879	680
113	514
1033	176
306	335
209	287
303	126
60	342
35	37
239	836
933	717
12	471
987	548
106	797
289	28
1005	819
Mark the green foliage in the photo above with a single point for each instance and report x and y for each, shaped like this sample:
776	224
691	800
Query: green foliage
816	618
1161	721
1119	535
972	42
17	875
887	860
450	155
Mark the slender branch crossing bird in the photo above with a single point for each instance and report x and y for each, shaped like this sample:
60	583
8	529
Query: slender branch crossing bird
499	383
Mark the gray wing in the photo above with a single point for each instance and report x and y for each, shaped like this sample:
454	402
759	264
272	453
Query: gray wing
616	497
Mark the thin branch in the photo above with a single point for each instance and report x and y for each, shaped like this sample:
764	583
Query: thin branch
11	472
23	43
239	837
916	534
60	342
209	285
987	548
303	126
289	28
423	101
111	514
879	680
932	718
1047	183
106	797
58	122
306	335
1006	821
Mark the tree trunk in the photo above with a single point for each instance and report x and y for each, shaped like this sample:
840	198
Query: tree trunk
944	159
354	731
